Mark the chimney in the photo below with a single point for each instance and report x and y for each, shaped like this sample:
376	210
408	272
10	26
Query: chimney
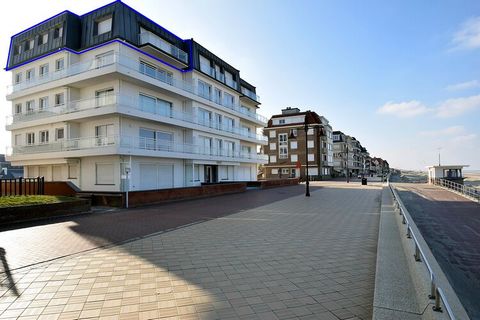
289	110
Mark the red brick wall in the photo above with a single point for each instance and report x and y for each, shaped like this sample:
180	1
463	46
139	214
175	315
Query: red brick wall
138	198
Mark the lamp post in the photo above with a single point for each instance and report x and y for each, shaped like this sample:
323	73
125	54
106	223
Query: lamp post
307	183
348	175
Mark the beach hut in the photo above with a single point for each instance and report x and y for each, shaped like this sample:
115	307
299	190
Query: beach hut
448	172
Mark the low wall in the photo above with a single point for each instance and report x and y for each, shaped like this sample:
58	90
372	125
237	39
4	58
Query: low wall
139	198
60	188
40	211
265	184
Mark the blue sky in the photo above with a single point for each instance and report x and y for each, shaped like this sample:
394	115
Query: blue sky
402	77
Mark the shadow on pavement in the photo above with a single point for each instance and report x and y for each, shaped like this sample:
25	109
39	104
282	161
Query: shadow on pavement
9	283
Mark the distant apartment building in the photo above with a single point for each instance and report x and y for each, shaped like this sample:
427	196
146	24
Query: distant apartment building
111	101
378	166
349	156
290	147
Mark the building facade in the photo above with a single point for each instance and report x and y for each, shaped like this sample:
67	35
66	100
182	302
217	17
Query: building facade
289	146
112	101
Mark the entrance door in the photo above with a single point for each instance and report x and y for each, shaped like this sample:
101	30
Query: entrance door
210	174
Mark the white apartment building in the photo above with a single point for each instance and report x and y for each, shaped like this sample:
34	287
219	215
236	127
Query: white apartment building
112	108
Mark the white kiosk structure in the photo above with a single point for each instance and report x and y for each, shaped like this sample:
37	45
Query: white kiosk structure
447	172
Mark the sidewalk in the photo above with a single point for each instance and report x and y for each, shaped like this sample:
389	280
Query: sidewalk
297	258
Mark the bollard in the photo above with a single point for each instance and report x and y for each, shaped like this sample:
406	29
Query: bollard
403	219
417	253
437	307
409	236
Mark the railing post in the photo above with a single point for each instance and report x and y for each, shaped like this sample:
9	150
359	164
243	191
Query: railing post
437	307
417	252
404	221
20	185
433	289
409	235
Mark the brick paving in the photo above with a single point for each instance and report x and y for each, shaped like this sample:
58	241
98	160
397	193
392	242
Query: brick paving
450	225
296	258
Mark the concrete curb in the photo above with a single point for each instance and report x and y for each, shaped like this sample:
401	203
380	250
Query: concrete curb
395	293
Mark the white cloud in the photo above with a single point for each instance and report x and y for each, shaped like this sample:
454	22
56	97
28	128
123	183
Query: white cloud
468	36
404	109
464	85
450	131
464	138
458	106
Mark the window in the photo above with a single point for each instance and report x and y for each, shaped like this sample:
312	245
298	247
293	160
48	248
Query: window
272	134
59	64
18	139
285	171
59	99
229	148
310	131
273	146
246	150
43	38
217	96
104	173
30	138
229	123
273	159
204	90
281	121
218	121
148	69
293	144
104	134
18	108
156	140
204	117
228	99
59	133
72	171
44	136
282	139
283	152
18	49
58	32
29	74
310	144
274	171
293	132
293	158
30	105
311	157
104	97
205	145
102	26
43	70
155	105
29	44
43	103
18	78
245	109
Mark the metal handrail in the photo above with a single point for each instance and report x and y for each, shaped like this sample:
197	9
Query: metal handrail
436	291
457	187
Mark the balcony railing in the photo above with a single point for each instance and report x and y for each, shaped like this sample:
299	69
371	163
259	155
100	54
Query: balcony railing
130	103
251	94
133	65
133	143
148	37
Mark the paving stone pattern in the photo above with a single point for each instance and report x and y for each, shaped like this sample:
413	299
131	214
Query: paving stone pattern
298	258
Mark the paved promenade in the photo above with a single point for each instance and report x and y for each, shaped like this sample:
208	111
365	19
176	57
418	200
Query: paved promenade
450	225
290	258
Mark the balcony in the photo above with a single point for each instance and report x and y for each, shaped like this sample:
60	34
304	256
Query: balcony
131	145
126	104
251	94
150	38
133	67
